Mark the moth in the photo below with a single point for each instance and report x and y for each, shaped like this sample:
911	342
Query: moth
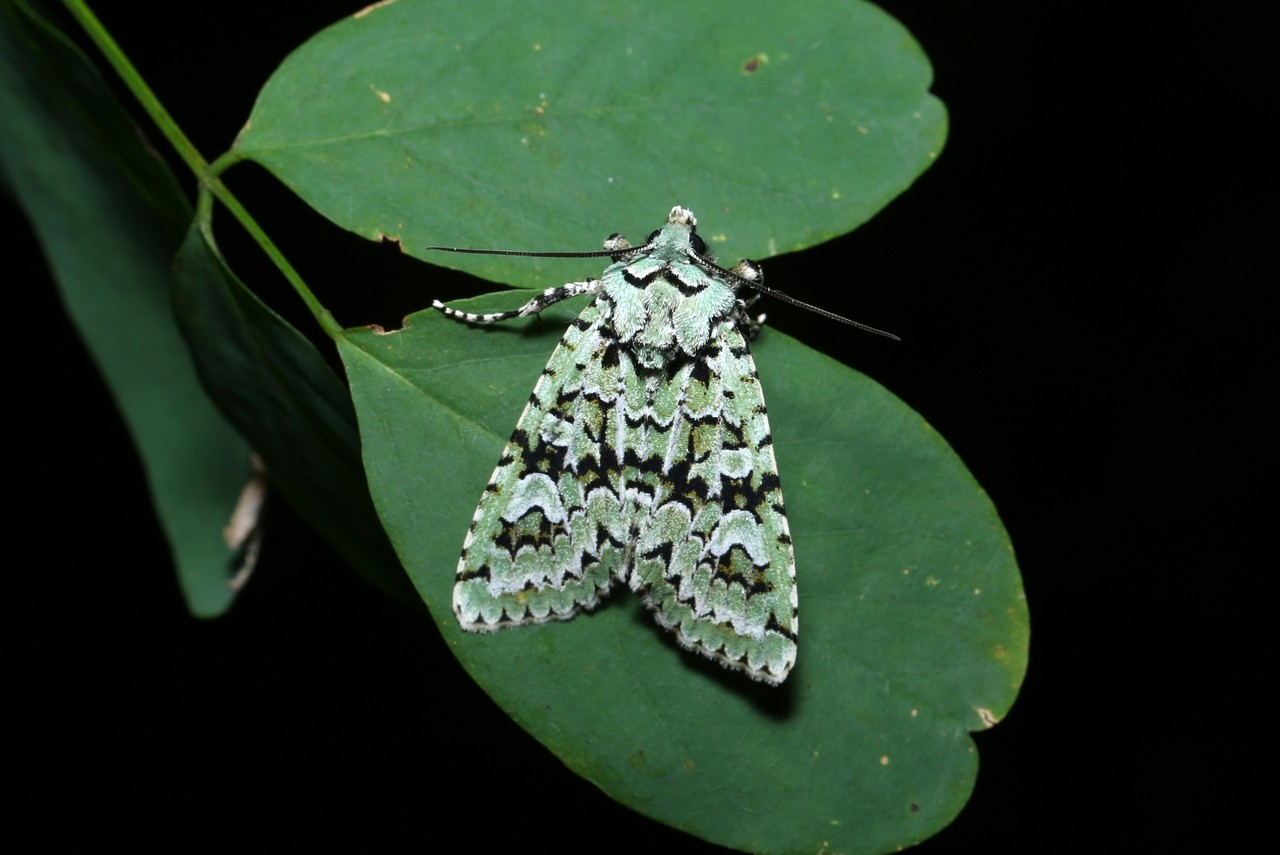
644	458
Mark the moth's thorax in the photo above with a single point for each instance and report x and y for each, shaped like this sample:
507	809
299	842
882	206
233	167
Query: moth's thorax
672	243
665	309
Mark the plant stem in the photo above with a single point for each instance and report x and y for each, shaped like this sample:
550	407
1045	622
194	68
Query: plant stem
322	315
115	56
206	175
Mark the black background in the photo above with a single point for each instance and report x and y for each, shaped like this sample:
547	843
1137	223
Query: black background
1080	320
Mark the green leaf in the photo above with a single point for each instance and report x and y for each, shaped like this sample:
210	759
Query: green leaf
485	125
914	628
471	125
278	390
109	217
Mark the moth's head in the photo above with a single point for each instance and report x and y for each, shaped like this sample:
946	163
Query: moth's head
680	235
682	216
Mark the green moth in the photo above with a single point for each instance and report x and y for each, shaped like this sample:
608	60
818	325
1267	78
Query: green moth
644	457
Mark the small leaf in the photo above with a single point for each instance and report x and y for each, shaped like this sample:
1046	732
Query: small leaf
109	218
278	390
474	124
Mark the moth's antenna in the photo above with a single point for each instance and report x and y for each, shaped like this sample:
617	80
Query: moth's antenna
615	247
748	273
778	295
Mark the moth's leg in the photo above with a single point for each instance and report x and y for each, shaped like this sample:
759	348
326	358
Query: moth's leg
743	319
618	244
549	297
750	275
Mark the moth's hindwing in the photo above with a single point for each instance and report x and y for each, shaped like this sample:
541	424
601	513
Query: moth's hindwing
644	455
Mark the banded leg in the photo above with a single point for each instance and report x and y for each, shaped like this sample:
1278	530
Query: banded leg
751	275
549	297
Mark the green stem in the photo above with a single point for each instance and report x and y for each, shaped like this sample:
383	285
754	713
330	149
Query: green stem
214	183
207	176
93	27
